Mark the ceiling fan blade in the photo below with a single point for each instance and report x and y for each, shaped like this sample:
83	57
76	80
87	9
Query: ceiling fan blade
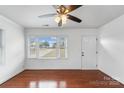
73	18
47	15
55	6
72	8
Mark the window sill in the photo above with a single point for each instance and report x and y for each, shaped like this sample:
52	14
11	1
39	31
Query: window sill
47	59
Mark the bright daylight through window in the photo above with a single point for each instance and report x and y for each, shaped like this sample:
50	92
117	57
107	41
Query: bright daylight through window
47	47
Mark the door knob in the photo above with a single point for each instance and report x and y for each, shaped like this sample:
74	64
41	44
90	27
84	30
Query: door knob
82	53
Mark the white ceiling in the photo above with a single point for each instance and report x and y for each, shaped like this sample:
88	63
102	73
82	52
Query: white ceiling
92	16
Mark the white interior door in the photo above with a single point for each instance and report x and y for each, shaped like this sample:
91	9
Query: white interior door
89	52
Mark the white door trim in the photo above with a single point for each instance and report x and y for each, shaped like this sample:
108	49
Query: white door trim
82	65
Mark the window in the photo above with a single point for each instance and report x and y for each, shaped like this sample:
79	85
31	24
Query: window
47	47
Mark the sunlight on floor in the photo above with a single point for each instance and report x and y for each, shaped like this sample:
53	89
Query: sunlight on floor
47	84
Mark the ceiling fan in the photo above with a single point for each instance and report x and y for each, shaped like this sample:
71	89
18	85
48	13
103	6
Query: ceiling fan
63	14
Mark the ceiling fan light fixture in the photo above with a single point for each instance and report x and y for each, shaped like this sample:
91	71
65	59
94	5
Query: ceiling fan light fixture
64	19
61	17
57	19
66	11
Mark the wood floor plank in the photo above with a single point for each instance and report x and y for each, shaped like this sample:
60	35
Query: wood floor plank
62	79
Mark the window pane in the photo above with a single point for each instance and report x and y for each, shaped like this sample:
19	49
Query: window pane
32	47
47	47
63	47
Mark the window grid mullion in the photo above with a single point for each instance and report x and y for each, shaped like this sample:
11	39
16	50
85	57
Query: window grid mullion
57	48
37	49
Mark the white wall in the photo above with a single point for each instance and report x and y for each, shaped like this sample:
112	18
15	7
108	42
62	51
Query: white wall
0	38
111	49
13	49
0	47
74	48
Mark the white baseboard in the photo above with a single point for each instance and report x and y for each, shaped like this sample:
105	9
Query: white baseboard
118	79
7	77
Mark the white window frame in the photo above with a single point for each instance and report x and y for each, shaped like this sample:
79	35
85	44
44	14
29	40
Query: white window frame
47	58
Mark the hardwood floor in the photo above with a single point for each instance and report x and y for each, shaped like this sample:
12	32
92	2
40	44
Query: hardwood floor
61	79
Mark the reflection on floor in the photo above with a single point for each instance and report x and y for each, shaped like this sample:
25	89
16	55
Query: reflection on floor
61	79
47	84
